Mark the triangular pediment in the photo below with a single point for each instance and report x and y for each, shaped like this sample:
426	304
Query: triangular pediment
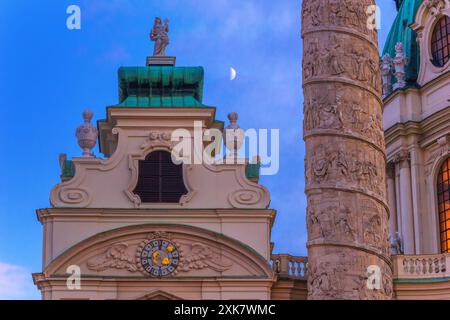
159	295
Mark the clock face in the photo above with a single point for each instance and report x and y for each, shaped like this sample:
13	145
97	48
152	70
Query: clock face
159	257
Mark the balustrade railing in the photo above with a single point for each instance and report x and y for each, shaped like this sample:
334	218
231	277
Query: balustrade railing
405	266
421	266
293	267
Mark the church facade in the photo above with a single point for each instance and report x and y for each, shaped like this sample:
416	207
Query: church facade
138	225
416	116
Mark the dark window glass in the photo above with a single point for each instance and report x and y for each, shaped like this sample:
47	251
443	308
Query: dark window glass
160	180
444	205
440	42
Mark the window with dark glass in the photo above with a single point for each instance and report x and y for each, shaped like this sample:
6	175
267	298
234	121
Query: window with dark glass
443	193
160	180
440	42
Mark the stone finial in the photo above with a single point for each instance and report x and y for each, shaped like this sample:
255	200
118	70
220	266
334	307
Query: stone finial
399	62
87	134
386	74
234	135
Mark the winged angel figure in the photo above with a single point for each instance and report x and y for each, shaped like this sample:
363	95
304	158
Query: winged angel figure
115	257
202	257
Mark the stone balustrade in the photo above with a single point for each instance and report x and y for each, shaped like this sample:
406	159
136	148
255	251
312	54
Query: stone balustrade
293	267
421	266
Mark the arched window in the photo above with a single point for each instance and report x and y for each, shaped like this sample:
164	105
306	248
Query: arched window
440	42
160	180
443	193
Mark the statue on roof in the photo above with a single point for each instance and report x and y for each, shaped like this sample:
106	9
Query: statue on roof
159	35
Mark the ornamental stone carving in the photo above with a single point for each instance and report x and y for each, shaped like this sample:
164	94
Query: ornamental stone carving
435	6
155	249
345	165
396	244
332	58
402	157
233	135
334	217
159	34
87	134
399	62
114	257
339	273
386	74
158	139
348	14
340	112
352	169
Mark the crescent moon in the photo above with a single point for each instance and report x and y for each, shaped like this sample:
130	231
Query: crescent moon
232	74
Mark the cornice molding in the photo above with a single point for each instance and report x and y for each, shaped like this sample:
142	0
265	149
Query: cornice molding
428	127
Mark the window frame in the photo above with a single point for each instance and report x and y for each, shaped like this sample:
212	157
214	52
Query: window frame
161	193
437	28
443	214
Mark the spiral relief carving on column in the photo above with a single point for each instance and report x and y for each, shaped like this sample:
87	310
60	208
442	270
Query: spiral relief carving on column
347	215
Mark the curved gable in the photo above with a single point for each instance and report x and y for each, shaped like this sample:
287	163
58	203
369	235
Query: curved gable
203	254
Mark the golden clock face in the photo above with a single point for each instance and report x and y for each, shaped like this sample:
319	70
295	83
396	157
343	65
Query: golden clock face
159	258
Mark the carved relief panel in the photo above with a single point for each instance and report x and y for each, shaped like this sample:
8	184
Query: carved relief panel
342	272
159	255
337	13
336	218
340	112
344	165
335	58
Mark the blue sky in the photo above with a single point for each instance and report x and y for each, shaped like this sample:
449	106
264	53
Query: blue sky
49	74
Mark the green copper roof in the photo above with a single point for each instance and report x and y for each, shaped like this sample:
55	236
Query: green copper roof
160	86
401	32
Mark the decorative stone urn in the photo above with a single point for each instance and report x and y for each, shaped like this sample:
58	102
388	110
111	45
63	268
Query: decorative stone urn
234	136
87	134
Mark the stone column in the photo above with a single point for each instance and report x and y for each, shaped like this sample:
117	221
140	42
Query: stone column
390	177
417	194
406	202
347	214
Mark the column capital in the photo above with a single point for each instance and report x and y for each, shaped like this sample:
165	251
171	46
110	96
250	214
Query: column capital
390	170
402	157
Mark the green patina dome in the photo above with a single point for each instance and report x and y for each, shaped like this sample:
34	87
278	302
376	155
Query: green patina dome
401	32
